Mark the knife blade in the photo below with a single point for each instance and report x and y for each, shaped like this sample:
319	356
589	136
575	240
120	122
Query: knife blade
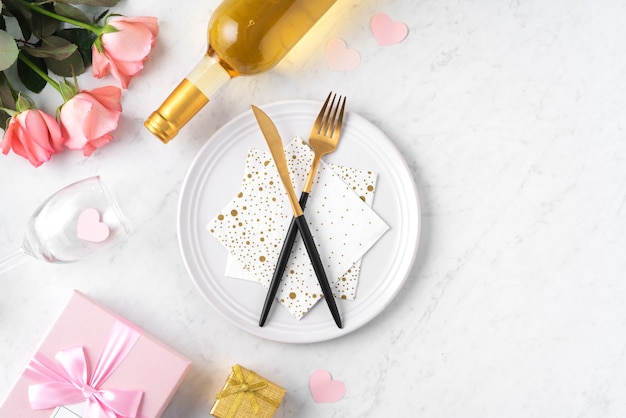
275	144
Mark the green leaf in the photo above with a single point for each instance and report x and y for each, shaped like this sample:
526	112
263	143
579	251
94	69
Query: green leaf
101	16
22	15
52	47
69	67
7	101
8	50
6	93
83	39
70	11
32	22
43	26
102	3
31	80
4	120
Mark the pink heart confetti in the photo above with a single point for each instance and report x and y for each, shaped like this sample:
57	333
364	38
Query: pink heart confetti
340	57
90	228
324	389
387	32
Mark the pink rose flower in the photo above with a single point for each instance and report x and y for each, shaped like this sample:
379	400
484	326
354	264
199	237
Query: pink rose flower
88	118
123	50
34	135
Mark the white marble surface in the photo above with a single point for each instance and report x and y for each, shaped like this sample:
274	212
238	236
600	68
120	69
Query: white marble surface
511	117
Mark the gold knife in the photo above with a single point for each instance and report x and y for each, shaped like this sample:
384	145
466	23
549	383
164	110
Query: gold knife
275	143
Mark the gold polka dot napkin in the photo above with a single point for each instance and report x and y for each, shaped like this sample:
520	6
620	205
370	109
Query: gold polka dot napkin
363	183
253	226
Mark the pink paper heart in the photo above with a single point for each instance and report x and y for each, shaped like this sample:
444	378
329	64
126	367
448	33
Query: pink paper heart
387	32
340	57
324	389
90	228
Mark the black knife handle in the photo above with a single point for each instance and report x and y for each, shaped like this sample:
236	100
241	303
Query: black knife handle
314	255
281	264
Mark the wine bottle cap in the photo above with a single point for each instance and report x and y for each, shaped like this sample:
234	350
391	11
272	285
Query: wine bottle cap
161	127
181	105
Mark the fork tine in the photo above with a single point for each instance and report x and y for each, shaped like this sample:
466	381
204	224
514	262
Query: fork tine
337	126
328	117
332	112
317	126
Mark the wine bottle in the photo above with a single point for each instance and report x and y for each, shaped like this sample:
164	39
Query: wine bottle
245	37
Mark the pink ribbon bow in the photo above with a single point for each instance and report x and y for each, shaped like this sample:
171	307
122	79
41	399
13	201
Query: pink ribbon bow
66	379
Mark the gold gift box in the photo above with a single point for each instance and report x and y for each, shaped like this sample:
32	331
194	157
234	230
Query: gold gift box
247	395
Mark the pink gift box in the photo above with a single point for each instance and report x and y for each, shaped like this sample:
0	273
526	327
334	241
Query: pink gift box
147	367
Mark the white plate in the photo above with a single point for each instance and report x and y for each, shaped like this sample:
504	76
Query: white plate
215	177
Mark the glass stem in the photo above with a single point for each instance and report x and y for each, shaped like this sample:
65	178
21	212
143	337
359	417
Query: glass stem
11	260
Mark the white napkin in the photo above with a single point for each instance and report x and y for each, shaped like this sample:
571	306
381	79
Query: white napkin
363	183
253	226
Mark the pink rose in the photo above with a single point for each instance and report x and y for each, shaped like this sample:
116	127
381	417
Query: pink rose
123	50
34	135
88	118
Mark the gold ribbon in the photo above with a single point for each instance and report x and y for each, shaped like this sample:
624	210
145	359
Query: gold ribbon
240	388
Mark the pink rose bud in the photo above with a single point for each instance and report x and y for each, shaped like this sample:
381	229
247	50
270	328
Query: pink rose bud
124	50
34	135
88	118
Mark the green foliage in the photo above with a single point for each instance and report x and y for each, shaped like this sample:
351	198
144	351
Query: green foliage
31	80
70	11
7	99
52	47
83	39
56	36
102	3
8	50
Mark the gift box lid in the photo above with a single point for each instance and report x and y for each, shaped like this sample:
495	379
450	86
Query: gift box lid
246	394
149	366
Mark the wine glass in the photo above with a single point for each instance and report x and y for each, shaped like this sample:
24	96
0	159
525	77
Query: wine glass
75	222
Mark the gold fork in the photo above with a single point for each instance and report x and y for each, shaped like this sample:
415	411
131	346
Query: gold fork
323	139
324	135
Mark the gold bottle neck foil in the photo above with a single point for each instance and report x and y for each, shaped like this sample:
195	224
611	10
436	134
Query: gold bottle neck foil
187	99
